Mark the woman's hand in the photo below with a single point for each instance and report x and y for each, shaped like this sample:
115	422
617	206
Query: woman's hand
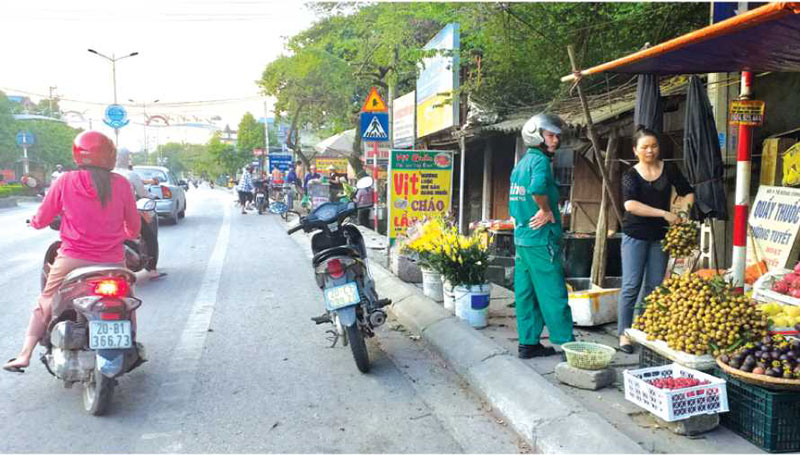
671	218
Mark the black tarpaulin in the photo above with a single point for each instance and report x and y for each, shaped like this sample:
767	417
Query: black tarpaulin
701	154
648	111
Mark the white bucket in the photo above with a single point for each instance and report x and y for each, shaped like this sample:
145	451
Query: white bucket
432	285
472	304
449	297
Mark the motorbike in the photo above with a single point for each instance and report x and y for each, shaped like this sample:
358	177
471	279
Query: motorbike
260	197
341	269
91	337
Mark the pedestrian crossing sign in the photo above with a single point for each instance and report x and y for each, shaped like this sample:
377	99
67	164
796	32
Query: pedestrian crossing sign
374	102
375	126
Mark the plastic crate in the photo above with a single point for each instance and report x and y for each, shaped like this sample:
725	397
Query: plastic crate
769	419
649	358
673	405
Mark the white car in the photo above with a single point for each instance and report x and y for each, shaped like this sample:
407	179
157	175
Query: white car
169	192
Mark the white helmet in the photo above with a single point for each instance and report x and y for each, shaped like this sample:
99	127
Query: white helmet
532	130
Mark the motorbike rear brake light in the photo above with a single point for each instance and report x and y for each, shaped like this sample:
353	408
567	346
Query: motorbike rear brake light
110	316
335	269
166	193
110	287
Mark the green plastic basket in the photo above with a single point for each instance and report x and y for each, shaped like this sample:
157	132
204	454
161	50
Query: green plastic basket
588	356
767	418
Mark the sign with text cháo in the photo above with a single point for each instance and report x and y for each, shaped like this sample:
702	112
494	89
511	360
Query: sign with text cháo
420	186
773	225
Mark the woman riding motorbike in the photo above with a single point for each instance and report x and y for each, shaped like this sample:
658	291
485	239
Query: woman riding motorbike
98	213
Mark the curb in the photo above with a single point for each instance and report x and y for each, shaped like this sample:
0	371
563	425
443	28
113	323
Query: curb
543	414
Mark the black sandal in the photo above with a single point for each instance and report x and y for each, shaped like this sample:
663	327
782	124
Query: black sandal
13	369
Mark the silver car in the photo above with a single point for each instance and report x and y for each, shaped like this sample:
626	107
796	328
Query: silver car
169	192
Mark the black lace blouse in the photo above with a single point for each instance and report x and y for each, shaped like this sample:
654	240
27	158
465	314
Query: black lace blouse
656	194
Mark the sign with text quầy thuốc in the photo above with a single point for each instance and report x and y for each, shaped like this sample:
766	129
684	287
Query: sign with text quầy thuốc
773	225
419	187
375	126
747	112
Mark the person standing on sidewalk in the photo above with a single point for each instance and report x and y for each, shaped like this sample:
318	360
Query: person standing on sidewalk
540	290
646	191
245	188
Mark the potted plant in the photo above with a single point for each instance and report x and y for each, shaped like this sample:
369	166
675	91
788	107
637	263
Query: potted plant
426	241
464	265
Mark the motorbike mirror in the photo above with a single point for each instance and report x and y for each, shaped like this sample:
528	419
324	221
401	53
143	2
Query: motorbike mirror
364	183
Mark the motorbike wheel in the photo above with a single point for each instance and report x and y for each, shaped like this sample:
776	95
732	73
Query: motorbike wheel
97	394
358	347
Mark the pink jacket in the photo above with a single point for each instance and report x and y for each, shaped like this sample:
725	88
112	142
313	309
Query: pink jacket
89	231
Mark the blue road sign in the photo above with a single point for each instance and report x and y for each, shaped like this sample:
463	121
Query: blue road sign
116	117
282	161
25	138
375	126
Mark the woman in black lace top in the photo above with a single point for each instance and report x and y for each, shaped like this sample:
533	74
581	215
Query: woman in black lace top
646	191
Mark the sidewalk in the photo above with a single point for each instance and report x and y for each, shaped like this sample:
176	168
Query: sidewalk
554	417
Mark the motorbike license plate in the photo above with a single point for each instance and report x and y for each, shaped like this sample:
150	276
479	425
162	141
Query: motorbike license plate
342	296
110	335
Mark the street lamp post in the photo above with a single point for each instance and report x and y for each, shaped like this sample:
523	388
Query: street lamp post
144	125
113	59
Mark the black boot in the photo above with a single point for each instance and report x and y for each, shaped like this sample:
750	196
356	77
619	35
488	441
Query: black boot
528	351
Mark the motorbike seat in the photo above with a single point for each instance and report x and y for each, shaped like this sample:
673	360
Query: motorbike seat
99	269
345	250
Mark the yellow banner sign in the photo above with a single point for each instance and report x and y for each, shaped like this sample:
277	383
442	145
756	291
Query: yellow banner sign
420	187
324	164
747	112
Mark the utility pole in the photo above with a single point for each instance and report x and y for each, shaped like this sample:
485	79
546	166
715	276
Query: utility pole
266	138
52	87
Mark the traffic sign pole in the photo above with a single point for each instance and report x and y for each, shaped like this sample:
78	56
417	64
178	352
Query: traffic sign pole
25	166
375	184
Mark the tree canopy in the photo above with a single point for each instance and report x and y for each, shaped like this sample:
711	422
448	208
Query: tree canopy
512	54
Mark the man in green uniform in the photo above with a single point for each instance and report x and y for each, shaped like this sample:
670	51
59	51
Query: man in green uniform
539	287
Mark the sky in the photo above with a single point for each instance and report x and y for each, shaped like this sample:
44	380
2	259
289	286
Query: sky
190	53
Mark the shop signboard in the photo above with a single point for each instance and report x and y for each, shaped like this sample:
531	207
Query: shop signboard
324	163
403	121
437	104
420	186
747	112
383	150
282	161
774	221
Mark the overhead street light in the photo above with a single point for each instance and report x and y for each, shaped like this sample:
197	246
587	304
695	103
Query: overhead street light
113	59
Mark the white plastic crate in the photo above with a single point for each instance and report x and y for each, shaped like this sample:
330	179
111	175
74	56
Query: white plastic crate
762	288
672	405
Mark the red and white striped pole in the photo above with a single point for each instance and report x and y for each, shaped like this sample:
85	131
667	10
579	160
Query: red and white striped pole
742	200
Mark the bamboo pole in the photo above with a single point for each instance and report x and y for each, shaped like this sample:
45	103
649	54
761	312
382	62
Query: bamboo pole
598	273
593	137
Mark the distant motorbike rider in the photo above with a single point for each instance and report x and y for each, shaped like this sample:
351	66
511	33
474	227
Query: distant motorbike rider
98	213
124	167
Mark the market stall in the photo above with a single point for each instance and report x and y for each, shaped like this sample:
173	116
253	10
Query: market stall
746	336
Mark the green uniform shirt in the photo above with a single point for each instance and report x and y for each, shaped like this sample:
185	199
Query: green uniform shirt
533	175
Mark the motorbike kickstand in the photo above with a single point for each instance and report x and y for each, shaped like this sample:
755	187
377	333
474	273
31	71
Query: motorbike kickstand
333	338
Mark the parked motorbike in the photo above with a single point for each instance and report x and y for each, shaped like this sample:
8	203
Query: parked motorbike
341	269
91	337
260	198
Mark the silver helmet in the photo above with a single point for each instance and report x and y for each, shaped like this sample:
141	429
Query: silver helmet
123	158
532	130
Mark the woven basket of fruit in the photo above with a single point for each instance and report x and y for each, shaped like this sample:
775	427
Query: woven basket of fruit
588	356
773	362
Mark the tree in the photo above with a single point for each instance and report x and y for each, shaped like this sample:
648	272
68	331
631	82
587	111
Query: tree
250	135
226	155
8	131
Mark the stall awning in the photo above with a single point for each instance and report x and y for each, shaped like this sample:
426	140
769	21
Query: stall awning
764	39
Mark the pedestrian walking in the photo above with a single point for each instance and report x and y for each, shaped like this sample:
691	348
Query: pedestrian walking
646	191
245	188
540	290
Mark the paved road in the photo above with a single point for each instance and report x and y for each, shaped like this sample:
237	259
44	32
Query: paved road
236	364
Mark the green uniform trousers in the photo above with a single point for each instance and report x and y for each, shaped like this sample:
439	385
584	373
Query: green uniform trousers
541	295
